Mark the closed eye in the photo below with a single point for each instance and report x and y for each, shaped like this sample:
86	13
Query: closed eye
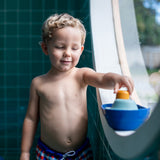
75	48
60	47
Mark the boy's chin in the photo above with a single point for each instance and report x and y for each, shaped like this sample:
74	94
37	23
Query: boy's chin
66	69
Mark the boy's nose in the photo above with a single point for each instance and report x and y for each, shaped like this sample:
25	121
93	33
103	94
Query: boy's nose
67	52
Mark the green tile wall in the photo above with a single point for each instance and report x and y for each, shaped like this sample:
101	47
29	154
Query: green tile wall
21	59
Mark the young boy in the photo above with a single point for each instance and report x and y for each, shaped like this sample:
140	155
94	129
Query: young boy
58	98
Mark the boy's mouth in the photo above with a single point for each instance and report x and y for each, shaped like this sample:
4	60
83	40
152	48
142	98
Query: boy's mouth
66	61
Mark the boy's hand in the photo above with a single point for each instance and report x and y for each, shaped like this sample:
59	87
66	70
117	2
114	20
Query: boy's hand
124	81
25	156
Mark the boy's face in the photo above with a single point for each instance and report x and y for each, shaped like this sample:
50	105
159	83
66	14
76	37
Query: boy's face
64	49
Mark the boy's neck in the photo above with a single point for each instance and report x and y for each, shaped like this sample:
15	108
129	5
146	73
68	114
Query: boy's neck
55	73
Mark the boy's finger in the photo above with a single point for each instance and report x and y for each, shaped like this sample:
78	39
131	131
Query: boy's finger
116	88
131	85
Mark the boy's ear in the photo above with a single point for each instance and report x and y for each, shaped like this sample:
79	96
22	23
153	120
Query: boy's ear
44	48
82	48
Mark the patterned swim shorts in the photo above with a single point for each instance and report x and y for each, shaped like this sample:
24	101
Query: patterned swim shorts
43	152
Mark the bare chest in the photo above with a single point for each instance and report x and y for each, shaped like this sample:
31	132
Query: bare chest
57	93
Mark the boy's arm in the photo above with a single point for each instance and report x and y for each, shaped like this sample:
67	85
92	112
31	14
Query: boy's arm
107	80
30	123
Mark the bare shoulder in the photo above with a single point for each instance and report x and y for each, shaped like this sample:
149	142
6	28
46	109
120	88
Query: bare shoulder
82	72
86	70
86	74
91	77
37	81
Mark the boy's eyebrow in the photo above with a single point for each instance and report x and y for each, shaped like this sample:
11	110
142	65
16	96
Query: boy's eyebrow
59	41
63	41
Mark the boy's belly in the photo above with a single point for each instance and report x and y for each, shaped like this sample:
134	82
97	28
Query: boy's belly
64	132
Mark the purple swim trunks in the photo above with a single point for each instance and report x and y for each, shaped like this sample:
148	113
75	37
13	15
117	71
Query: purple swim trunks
43	152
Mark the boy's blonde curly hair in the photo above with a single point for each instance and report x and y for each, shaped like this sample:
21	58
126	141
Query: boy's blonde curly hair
58	21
